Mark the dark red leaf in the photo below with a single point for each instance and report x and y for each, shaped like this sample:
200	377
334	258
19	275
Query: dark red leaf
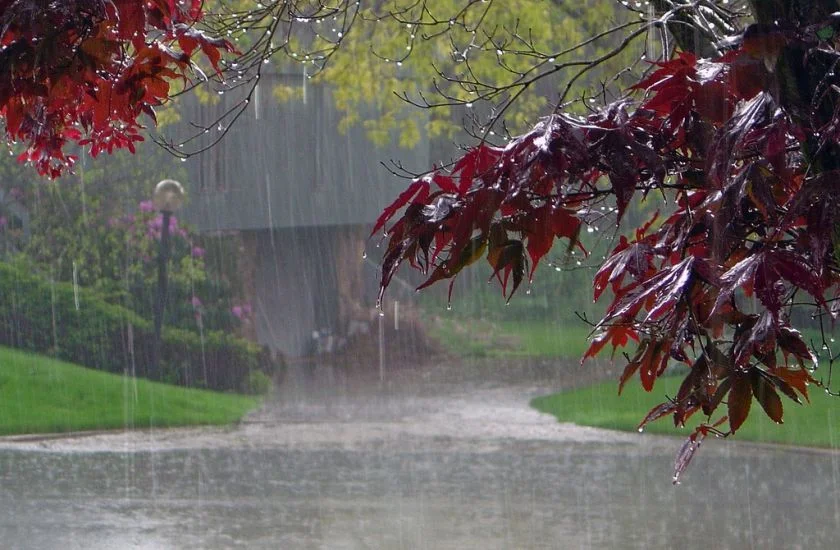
418	187
679	67
618	334
635	259
445	183
650	360
507	258
782	386
711	403
766	396
458	261
691	445
740	397
665	289
797	379
543	225
691	383
629	370
792	267
730	140
676	285
684	412
663	409
475	163
685	454
790	341
764	271
757	337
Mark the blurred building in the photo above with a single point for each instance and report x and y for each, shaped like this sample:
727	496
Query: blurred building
302	198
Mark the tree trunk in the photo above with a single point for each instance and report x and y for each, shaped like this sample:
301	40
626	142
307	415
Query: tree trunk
799	77
687	36
802	12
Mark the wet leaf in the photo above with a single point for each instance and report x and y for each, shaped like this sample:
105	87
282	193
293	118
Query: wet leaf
94	73
790	341
663	409
766	396
635	259
506	259
440	208
619	335
476	163
418	190
685	454
782	386
740	398
797	379
711	402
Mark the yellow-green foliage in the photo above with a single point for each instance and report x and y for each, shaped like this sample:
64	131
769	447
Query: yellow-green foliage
403	47
384	56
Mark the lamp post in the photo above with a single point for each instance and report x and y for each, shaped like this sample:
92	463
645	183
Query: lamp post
167	198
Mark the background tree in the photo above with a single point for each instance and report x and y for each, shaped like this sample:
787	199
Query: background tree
98	73
741	150
405	54
84	72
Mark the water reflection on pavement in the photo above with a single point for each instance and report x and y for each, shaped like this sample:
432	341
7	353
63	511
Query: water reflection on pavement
428	458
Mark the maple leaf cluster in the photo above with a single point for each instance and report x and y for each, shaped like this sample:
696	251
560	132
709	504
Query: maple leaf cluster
712	283
82	71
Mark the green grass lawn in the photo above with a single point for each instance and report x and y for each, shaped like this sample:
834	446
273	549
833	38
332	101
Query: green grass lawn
481	338
39	394
813	424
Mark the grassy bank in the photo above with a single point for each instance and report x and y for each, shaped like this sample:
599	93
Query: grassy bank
599	405
481	338
39	394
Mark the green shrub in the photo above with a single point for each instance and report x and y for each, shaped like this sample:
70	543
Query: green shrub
77	325
99	229
257	383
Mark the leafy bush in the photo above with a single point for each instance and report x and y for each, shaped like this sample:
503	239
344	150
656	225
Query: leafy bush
75	324
257	383
114	250
99	229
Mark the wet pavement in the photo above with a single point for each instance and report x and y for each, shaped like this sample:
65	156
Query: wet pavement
448	456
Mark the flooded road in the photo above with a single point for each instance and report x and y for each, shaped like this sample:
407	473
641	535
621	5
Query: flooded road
429	458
